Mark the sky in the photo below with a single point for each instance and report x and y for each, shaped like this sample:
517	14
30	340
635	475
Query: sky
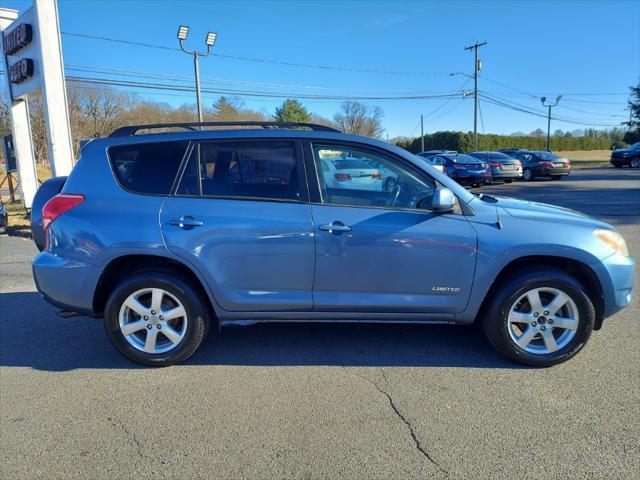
586	51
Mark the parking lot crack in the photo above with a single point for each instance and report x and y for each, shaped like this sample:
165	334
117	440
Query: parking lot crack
418	444
116	422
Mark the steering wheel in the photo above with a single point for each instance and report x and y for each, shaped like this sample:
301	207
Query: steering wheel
395	193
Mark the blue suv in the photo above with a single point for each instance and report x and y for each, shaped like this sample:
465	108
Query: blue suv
166	233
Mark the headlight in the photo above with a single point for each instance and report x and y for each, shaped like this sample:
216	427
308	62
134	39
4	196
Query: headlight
613	240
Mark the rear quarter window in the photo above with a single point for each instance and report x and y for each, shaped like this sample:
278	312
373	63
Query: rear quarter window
147	168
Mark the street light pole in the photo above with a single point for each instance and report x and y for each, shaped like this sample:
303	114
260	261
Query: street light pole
476	66
549	106
422	131
210	40
196	67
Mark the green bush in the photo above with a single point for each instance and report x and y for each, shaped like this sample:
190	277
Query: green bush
463	142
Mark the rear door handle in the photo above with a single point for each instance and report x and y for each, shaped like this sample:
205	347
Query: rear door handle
186	222
335	227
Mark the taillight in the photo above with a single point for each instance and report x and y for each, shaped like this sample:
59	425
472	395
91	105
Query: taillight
546	164
56	206
376	175
342	177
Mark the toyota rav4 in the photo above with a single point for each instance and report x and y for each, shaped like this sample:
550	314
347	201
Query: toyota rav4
164	233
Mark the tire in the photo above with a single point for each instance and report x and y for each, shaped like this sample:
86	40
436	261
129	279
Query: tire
191	327
508	180
527	175
556	177
635	162
502	332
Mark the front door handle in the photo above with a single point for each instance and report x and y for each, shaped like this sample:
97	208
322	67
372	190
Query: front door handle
186	222
336	227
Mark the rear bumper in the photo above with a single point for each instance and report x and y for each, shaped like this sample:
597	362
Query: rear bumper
506	174
472	179
616	274
3	219
64	283
551	171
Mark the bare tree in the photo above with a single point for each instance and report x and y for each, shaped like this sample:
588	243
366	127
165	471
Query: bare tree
359	119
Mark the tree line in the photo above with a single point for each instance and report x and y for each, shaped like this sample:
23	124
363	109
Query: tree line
97	111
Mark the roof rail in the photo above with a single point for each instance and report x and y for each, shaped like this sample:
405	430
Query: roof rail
195	126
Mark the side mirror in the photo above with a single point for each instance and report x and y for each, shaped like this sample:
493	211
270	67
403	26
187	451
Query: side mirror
443	200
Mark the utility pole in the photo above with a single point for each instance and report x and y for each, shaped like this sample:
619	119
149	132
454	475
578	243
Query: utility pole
476	66
422	131
549	106
210	40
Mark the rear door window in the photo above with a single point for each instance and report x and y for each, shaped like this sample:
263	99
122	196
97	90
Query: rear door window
265	170
147	168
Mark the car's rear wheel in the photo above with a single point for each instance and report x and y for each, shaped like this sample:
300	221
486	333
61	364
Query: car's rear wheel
635	162
508	180
556	177
527	175
539	317
156	319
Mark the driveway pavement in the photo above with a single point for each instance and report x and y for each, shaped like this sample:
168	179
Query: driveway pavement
321	401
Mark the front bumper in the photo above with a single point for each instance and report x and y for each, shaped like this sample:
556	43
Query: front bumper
617	275
619	161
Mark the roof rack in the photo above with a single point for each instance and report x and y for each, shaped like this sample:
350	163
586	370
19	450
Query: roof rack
196	126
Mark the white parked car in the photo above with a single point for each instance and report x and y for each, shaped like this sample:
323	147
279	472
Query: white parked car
351	173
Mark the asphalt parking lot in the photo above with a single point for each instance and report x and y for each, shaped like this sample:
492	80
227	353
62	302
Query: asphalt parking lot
322	401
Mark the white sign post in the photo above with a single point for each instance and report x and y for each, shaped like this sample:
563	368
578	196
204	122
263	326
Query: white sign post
32	56
20	126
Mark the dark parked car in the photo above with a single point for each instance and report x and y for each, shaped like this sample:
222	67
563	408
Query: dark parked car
431	153
626	156
464	169
503	167
3	218
538	163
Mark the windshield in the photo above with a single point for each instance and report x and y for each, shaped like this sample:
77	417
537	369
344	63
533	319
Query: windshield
461	158
491	156
547	156
350	163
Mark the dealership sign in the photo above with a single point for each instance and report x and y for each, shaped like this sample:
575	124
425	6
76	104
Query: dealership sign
21	48
17	38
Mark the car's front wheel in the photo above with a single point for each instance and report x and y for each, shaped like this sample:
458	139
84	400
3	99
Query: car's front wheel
635	162
556	177
156	319
539	317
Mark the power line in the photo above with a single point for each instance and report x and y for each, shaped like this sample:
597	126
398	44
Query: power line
254	59
537	95
500	103
212	81
186	88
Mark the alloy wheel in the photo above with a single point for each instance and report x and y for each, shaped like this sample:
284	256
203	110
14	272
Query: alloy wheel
635	162
153	320
543	320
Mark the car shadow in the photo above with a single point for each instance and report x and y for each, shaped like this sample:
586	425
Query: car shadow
35	337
